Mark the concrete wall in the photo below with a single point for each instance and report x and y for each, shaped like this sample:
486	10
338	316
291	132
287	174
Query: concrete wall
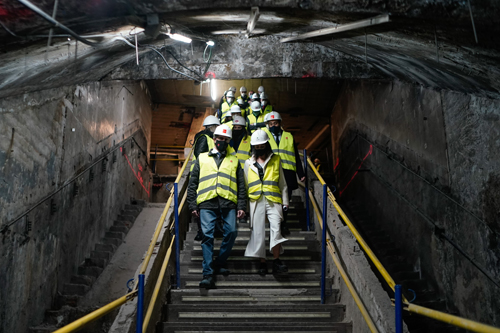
421	159
47	138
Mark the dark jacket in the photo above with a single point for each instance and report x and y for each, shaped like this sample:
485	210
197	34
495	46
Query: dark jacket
200	142
217	202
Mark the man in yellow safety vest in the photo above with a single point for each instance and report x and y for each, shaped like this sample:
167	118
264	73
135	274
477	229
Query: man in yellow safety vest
283	144
217	191
225	110
255	120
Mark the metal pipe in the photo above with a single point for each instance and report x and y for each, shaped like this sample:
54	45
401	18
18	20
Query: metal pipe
177	242
307	192
78	324
323	246
399	309
140	305
51	31
472	20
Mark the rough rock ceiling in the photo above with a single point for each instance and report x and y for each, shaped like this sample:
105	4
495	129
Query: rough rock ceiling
428	42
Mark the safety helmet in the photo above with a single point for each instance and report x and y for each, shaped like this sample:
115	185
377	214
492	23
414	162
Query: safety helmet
223	130
235	109
261	89
255	106
239	120
233	89
230	93
273	115
211	120
263	95
240	101
255	96
243	89
259	137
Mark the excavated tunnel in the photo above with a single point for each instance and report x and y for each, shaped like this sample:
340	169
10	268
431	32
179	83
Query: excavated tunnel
398	100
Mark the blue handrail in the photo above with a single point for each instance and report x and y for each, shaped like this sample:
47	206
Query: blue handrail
177	241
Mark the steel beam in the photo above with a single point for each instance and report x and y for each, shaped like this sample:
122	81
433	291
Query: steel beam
341	28
254	16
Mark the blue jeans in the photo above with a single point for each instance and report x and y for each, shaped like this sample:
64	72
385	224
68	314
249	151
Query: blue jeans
208	218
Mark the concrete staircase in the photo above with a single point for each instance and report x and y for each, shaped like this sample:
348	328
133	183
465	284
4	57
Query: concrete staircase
247	302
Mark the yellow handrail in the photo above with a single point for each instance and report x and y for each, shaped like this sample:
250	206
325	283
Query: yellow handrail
352	290
451	319
79	323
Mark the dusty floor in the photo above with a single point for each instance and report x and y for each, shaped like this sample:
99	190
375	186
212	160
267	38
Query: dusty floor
111	284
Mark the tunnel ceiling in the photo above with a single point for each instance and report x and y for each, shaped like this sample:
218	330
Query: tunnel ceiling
430	43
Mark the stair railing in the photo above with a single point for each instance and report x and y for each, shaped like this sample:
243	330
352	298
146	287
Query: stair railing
80	323
401	300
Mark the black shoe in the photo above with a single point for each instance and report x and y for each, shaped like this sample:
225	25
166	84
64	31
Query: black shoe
199	236
279	267
263	269
207	282
220	269
284	230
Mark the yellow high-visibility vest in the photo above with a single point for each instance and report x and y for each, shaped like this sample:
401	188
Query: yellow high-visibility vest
286	150
210	143
225	108
244	151
269	186
215	182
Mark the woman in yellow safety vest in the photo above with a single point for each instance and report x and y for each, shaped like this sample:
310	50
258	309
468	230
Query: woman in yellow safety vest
268	196
241	141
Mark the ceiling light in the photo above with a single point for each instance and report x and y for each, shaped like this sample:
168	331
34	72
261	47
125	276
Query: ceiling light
210	43
180	38
213	93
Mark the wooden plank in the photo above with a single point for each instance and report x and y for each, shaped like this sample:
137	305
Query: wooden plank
317	138
196	126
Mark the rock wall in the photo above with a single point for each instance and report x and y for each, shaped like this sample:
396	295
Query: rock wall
47	138
425	163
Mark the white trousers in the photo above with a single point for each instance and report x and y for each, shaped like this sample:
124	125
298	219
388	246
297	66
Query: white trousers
263	208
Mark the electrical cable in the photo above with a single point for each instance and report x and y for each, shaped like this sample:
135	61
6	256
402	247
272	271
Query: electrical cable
173	56
10	32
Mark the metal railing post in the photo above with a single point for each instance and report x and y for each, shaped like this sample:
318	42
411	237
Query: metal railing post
177	242
140	304
323	247
398	298
307	192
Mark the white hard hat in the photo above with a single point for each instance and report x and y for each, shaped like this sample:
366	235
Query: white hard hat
263	95
261	89
230	93
273	115
255	106
255	96
233	89
211	120
240	101
235	109
239	120
259	137
243	89
223	130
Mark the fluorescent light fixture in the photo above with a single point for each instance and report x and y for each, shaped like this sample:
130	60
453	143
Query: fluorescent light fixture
180	38
210	43
212	90
237	32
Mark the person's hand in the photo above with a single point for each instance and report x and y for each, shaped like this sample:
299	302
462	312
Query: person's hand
240	214
303	179
195	213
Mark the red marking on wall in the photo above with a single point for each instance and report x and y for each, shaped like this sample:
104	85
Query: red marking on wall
336	164
208	74
359	167
137	174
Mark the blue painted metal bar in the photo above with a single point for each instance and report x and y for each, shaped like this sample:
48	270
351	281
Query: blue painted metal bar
140	304
398	298
323	247
307	192
177	241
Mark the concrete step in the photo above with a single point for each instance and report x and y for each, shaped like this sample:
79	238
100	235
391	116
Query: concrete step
117	235
288	253
112	241
106	247
255	270
251	267
284	257
137	208
251	313
265	283
256	326
248	296
122	229
69	300
131	212
125	218
101	255
75	289
123	224
83	279
90	271
243	247
98	262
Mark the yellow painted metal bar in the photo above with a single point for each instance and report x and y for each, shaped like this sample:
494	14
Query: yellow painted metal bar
467	324
355	232
352	290
156	291
80	323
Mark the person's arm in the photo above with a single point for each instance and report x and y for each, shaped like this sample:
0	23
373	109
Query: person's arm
260	125
242	189
201	146
283	187
298	164
194	179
